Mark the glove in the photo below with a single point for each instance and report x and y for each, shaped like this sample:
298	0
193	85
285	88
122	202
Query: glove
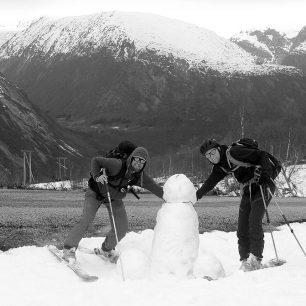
264	179
102	178
197	195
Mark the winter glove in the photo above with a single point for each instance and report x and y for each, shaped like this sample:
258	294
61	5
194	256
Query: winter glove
264	179
197	195
102	178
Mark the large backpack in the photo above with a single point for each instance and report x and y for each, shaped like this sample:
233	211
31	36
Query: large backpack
122	151
253	144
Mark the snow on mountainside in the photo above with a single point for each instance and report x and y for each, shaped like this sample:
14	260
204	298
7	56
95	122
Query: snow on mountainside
268	45
129	36
297	56
299	42
6	35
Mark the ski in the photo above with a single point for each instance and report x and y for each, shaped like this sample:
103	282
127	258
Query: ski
273	263
74	267
270	264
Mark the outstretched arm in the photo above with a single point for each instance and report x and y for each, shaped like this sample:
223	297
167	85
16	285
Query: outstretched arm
215	177
149	184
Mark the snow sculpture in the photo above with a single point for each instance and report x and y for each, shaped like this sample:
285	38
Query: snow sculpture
176	234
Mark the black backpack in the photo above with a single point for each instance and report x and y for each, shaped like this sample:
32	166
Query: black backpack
122	151
253	144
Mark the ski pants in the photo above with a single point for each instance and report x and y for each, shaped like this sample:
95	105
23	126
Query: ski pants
91	206
251	213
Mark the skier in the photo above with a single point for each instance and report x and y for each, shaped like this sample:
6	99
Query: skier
115	180
258	174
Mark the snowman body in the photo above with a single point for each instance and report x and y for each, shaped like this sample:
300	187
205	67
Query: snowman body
176	234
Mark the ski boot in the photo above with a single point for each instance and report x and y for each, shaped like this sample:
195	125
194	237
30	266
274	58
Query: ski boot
110	255
251	263
69	255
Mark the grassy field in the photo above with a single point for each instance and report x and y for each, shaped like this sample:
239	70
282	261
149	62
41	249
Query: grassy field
29	217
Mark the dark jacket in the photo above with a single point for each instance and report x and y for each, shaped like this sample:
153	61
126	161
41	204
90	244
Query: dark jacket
113	166
242	174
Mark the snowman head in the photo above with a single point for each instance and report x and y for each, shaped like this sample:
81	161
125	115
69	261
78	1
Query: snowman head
178	188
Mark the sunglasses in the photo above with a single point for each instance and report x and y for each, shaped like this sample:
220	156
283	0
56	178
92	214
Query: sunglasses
139	160
210	153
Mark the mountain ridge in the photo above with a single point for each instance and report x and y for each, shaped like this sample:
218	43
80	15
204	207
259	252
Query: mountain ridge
128	36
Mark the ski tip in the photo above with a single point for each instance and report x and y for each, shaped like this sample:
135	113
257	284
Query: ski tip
208	278
90	278
280	262
275	262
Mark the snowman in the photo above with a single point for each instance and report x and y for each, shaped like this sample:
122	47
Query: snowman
176	234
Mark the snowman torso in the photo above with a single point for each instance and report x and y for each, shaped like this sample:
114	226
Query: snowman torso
176	235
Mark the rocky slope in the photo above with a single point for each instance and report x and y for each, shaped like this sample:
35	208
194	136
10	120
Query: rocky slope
24	127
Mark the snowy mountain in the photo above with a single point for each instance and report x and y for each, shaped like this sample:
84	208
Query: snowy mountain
271	46
136	70
129	36
268	46
297	56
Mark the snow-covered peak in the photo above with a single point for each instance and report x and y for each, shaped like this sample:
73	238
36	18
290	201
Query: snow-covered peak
178	188
251	38
299	42
128	36
267	45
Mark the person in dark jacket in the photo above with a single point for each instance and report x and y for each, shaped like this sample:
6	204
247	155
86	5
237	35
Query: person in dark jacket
108	179
252	178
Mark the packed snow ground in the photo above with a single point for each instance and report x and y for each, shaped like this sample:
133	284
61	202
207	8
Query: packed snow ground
31	275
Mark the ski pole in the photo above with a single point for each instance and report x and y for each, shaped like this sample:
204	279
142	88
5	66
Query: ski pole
115	229
268	221
286	221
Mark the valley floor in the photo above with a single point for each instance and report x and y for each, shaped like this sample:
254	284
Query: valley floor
32	217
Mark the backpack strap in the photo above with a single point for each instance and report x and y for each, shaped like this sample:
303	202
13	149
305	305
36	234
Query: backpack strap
238	163
121	172
121	175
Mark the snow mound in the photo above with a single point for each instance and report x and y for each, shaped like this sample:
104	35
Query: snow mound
32	276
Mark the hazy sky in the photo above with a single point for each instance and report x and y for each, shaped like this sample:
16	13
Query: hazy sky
225	17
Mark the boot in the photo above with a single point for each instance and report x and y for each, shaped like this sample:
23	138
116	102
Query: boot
110	255
251	263
69	255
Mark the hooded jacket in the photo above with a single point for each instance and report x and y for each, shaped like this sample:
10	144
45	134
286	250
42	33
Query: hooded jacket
113	167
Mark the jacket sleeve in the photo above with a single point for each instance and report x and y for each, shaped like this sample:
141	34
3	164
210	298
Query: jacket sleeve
215	177
112	166
253	156
148	183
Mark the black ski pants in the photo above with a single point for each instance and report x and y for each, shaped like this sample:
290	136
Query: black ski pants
251	213
91	206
